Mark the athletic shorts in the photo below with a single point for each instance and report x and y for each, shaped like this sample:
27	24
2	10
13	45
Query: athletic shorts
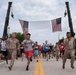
42	51
36	52
62	52
46	52
5	53
22	51
29	53
0	51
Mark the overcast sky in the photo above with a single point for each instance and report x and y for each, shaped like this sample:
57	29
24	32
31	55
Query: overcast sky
38	10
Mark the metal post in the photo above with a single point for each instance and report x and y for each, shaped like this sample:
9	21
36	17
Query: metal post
5	34
70	19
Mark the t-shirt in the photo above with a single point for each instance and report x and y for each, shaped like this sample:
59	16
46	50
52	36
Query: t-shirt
69	45
41	48
51	47
46	47
62	47
36	47
3	45
57	48
28	44
12	44
21	48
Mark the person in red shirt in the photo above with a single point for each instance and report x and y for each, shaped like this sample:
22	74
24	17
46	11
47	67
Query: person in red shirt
62	49
42	49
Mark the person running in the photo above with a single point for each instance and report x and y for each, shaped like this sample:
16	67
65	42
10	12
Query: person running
12	45
46	50
57	51
69	50
22	51
50	50
36	50
4	50
62	49
0	50
54	51
28	49
42	50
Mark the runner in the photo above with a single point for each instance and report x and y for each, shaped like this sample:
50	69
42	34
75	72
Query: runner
69	50
4	50
53	51
22	51
12	45
62	49
28	49
0	50
46	50
36	50
42	50
50	50
57	51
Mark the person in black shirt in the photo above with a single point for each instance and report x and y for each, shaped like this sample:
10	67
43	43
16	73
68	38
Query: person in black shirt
22	51
36	50
50	51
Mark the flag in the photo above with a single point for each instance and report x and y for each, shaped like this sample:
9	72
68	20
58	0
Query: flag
56	25
24	25
12	15
65	13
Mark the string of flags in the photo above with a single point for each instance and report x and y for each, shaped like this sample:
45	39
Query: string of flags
56	25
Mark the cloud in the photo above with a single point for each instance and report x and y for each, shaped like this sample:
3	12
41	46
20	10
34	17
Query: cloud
38	10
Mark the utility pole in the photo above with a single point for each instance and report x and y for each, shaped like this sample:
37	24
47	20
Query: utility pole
70	19
5	34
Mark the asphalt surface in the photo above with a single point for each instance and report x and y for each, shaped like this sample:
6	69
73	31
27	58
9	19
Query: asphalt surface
43	67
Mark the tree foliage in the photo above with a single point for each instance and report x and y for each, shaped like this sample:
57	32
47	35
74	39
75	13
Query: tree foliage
20	37
61	40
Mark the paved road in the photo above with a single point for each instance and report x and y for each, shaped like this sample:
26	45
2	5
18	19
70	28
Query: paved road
43	67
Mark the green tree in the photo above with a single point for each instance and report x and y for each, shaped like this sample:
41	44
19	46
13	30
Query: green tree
20	36
61	40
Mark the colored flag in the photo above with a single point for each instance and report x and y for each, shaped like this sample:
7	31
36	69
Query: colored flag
56	25
24	25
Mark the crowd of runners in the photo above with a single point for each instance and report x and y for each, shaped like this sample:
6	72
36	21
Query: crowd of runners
11	49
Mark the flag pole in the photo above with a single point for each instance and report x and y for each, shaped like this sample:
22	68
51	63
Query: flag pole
5	34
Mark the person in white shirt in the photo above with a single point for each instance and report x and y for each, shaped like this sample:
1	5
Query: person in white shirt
4	50
28	49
